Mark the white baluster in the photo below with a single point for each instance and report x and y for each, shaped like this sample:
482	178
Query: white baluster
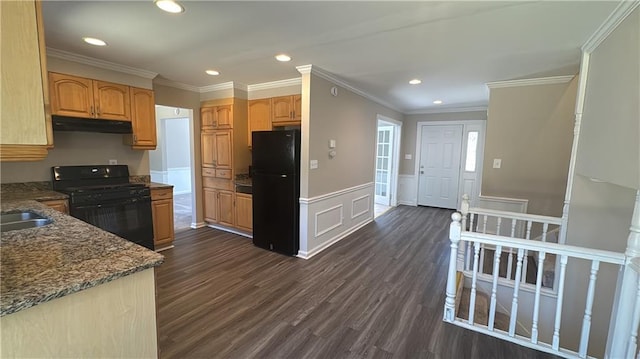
516	289
450	300
482	250
633	339
545	229
498	223
509	263
529	223
464	210
471	217
468	264
556	328
525	264
474	280
586	321
494	289
513	228
484	224
536	305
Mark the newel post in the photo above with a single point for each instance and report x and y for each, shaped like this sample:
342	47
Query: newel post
455	229
626	293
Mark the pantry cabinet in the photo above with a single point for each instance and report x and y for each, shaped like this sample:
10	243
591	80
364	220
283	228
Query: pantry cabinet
216	117
25	118
218	206
217	149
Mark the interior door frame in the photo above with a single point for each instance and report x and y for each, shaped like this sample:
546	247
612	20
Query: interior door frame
395	155
467	125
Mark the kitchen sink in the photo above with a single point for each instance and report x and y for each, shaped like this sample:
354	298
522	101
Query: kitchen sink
22	220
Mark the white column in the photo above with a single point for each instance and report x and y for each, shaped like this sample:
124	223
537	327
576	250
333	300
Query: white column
623	305
454	236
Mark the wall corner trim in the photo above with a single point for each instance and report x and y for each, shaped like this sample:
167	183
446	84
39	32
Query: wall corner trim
91	61
530	82
315	70
624	9
296	81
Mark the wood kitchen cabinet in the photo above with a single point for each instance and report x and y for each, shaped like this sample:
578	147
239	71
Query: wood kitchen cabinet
259	116
244	211
60	205
216	117
286	110
162	213
25	128
218	206
75	96
143	119
217	149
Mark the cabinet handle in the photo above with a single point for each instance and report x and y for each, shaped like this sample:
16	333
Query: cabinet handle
91	111
135	138
97	110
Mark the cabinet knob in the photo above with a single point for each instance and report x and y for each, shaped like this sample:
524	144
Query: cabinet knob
91	111
135	138
97	110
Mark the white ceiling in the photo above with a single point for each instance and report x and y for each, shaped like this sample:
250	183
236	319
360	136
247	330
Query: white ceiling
377	47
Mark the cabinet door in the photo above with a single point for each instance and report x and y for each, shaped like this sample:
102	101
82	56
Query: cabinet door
143	119
71	95
259	116
244	211
111	101
223	149
60	205
210	204
282	109
297	108
208	144
223	117
207	118
225	208
162	211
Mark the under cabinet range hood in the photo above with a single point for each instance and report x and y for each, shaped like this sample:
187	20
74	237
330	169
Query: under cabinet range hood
62	123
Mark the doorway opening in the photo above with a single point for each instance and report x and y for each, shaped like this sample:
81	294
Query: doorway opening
172	161
386	173
449	162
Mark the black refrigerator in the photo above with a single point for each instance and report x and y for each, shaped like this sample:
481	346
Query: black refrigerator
276	190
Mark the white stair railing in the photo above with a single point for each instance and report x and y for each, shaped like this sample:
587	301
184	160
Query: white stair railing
565	253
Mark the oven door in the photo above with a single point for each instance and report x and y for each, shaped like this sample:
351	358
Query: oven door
129	218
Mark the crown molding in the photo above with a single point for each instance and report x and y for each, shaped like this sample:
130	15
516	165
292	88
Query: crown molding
315	70
223	86
178	85
531	82
447	110
616	17
69	56
297	81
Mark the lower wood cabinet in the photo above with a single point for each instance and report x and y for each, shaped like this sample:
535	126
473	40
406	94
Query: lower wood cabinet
60	205
218	206
244	211
162	211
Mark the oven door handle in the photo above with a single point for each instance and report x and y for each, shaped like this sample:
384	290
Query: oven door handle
145	199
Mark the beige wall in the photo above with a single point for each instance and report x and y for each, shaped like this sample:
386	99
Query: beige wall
612	97
531	129
174	97
77	148
275	92
351	120
410	133
77	69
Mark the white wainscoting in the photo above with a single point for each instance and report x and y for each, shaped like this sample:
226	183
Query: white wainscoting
323	221
517	205
407	187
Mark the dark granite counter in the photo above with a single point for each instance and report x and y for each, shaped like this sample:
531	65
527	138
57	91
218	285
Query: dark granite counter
38	191
67	256
156	185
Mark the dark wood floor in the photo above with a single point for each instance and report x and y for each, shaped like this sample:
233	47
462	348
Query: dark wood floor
378	293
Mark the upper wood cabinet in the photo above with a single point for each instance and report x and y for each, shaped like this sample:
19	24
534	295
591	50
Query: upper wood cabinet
25	120
143	119
286	110
217	117
86	98
216	149
259	116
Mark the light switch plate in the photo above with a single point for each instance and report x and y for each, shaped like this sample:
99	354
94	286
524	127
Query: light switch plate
332	143
407	156
313	164
113	162
497	162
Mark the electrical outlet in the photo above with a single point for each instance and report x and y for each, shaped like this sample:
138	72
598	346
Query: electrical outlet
313	164
497	162
113	162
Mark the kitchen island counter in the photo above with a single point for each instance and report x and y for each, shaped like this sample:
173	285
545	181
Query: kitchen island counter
64	257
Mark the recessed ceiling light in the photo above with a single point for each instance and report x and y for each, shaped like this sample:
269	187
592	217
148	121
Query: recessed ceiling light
94	41
437	102
212	72
169	6
283	57
415	82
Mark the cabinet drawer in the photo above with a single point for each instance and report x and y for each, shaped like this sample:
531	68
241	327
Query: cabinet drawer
223	174
218	183
164	193
208	172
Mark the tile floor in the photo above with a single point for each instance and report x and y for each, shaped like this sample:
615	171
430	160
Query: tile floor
182	211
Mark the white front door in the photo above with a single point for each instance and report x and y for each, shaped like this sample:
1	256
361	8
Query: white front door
439	167
384	160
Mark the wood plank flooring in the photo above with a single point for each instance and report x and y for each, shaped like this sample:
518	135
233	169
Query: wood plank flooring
378	293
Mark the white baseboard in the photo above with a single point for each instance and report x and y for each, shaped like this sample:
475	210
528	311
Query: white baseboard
325	245
230	230
164	248
197	225
408	203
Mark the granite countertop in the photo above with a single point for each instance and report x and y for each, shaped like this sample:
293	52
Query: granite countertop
39	191
243	179
156	185
67	256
